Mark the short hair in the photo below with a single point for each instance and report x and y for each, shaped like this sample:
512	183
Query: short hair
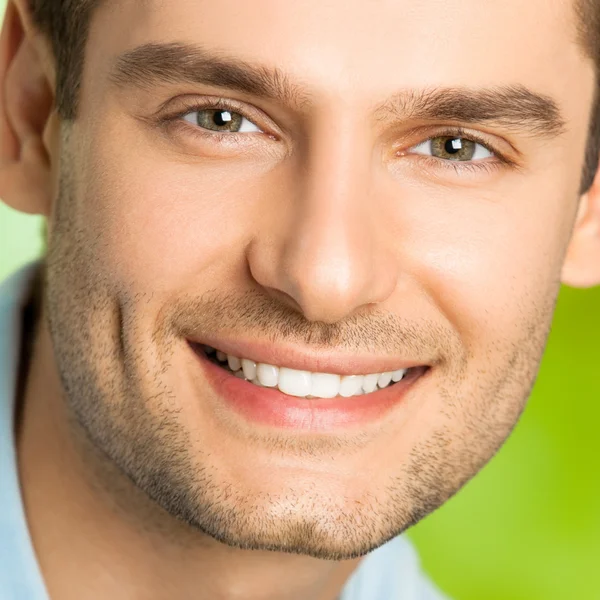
66	24
588	31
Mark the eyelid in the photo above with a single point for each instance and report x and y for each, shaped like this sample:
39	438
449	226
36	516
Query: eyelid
187	117
458	132
422	149
188	105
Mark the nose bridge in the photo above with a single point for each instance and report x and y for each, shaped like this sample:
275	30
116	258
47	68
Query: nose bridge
333	188
337	168
333	261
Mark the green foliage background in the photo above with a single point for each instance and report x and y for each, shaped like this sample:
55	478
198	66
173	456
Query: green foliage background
528	526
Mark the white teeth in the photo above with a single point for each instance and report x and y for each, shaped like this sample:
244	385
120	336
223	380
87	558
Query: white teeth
398	375
268	375
294	383
235	364
324	385
350	385
304	383
384	379
370	382
249	367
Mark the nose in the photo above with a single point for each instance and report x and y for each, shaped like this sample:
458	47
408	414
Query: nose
326	253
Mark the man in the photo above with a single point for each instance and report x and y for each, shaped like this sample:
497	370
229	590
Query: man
302	264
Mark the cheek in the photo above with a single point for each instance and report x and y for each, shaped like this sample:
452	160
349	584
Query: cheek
490	262
164	223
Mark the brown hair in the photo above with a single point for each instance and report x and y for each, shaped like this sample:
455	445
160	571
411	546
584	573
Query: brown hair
588	12
66	24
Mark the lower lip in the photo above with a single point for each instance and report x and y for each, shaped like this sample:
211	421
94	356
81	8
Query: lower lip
269	406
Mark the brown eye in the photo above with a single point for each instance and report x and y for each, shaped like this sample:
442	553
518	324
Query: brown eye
453	148
221	120
458	149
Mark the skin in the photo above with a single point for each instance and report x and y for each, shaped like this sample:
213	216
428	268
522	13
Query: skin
332	233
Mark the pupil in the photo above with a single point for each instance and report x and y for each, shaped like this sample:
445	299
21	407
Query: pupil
222	117
453	146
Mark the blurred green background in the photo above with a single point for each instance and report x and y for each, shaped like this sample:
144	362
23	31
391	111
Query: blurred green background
528	526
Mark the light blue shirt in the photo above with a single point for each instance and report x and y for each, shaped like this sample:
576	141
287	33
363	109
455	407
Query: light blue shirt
391	572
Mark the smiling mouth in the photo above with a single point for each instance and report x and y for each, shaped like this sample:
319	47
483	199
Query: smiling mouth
306	384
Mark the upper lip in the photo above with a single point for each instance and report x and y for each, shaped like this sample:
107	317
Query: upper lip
303	359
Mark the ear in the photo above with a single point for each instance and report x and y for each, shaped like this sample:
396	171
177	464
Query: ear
26	105
582	263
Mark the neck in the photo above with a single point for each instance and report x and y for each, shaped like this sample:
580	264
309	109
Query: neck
94	530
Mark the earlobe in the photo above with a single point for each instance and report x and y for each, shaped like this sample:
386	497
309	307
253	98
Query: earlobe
26	103
582	263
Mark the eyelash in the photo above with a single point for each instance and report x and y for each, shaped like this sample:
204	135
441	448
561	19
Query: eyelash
459	167
500	159
176	120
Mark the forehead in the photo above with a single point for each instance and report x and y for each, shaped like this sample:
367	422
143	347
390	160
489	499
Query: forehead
358	48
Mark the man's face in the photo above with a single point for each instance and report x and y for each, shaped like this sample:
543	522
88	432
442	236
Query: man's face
319	224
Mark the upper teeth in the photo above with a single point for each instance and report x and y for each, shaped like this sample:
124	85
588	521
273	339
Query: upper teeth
305	383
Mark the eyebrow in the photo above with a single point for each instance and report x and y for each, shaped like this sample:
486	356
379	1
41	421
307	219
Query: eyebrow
512	106
153	64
